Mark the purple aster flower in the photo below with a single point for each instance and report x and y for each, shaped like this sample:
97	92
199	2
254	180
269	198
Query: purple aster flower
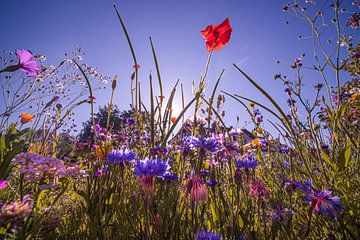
204	235
120	156
27	63
323	203
248	163
37	168
151	167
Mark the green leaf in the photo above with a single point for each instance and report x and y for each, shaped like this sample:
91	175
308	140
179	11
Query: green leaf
327	159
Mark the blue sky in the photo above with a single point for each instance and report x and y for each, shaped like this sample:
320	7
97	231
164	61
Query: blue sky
259	39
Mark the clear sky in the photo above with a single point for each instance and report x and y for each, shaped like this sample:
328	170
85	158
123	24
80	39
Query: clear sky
260	37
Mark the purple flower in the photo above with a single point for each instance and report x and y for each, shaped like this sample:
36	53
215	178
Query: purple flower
258	188
3	184
284	149
151	167
97	128
39	169
14	213
211	182
159	151
204	235
229	150
27	62
120	156
286	163
256	112
248	163
289	184
209	144
170	177
354	21
130	121
264	142
279	214
323	203
100	172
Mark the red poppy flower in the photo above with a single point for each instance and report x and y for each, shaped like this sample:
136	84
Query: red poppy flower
217	36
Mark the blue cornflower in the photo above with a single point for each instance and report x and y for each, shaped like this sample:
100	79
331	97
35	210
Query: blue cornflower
279	214
323	203
248	163
284	149
120	156
256	112
203	235
306	187
170	177
151	167
209	144
130	121
158	150
211	182
286	163
264	142
289	184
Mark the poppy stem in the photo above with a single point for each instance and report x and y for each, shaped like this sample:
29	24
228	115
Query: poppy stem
207	65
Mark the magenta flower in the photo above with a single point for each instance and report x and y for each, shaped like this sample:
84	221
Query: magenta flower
27	62
258	188
196	189
3	184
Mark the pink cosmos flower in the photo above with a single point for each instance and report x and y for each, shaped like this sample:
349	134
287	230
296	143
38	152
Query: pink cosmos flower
27	62
3	184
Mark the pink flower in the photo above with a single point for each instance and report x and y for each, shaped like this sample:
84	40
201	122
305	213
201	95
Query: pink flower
3	184
27	62
258	188
196	189
147	183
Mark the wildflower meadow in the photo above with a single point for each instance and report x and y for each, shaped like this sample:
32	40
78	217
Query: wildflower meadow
139	170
